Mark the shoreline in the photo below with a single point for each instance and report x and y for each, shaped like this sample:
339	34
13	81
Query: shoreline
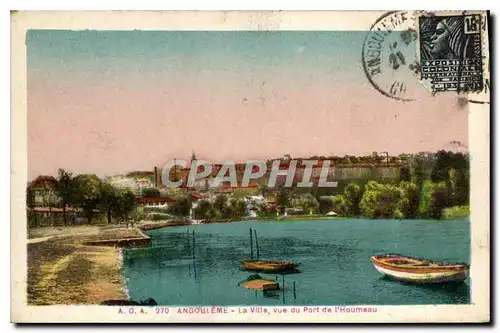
120	258
68	270
85	265
153	225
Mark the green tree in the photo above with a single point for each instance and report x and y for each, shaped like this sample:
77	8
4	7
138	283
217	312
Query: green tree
352	196
308	203
181	207
380	200
388	199
445	161
64	188
438	201
283	199
405	174
263	189
435	197
425	197
30	203
459	186
326	204
107	200
220	204
440	170
87	194
410	200
150	192
418	170
340	205
237	208
204	210
369	201
124	203
403	209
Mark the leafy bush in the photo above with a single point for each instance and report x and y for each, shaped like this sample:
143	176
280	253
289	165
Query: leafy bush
410	200
181	206
204	210
380	200
456	212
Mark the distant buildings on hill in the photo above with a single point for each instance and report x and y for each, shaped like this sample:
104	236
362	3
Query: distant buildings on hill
381	168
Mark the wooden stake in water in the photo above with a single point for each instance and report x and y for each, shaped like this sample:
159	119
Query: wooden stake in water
283	291
159	267
189	265
294	293
188	242
256	244
193	244
251	244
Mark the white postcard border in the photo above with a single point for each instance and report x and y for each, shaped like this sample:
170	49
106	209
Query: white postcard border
479	143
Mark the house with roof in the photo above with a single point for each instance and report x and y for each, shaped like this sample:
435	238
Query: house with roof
43	191
158	202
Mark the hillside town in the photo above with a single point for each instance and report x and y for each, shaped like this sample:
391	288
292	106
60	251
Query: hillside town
408	186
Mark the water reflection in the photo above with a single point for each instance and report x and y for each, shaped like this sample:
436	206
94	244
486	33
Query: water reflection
459	289
282	292
272	294
455	292
285	272
335	266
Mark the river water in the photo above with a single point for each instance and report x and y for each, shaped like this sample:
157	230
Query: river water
334	257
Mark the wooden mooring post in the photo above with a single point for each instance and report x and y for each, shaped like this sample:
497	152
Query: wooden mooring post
256	244
283	287
251	244
193	245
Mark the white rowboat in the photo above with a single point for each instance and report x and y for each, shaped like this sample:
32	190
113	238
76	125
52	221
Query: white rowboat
415	270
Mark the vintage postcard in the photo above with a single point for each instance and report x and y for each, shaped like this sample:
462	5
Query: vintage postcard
263	167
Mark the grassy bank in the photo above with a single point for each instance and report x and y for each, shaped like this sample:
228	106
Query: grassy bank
457	212
61	270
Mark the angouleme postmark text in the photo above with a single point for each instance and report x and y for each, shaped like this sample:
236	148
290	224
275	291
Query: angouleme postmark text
389	56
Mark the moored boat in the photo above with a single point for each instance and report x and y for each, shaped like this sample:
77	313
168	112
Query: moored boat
416	270
268	266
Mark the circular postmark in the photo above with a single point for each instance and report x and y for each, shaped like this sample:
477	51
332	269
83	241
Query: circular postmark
389	56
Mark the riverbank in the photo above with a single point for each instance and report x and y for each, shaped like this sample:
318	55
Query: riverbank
64	269
334	255
151	225
274	218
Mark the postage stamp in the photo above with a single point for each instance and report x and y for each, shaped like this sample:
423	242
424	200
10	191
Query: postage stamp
234	167
451	52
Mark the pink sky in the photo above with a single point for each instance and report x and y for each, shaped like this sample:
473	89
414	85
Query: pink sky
87	121
113	127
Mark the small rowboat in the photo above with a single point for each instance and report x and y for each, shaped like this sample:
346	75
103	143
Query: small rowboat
417	270
268	266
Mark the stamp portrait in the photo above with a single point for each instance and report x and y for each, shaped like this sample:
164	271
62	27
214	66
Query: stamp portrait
451	52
